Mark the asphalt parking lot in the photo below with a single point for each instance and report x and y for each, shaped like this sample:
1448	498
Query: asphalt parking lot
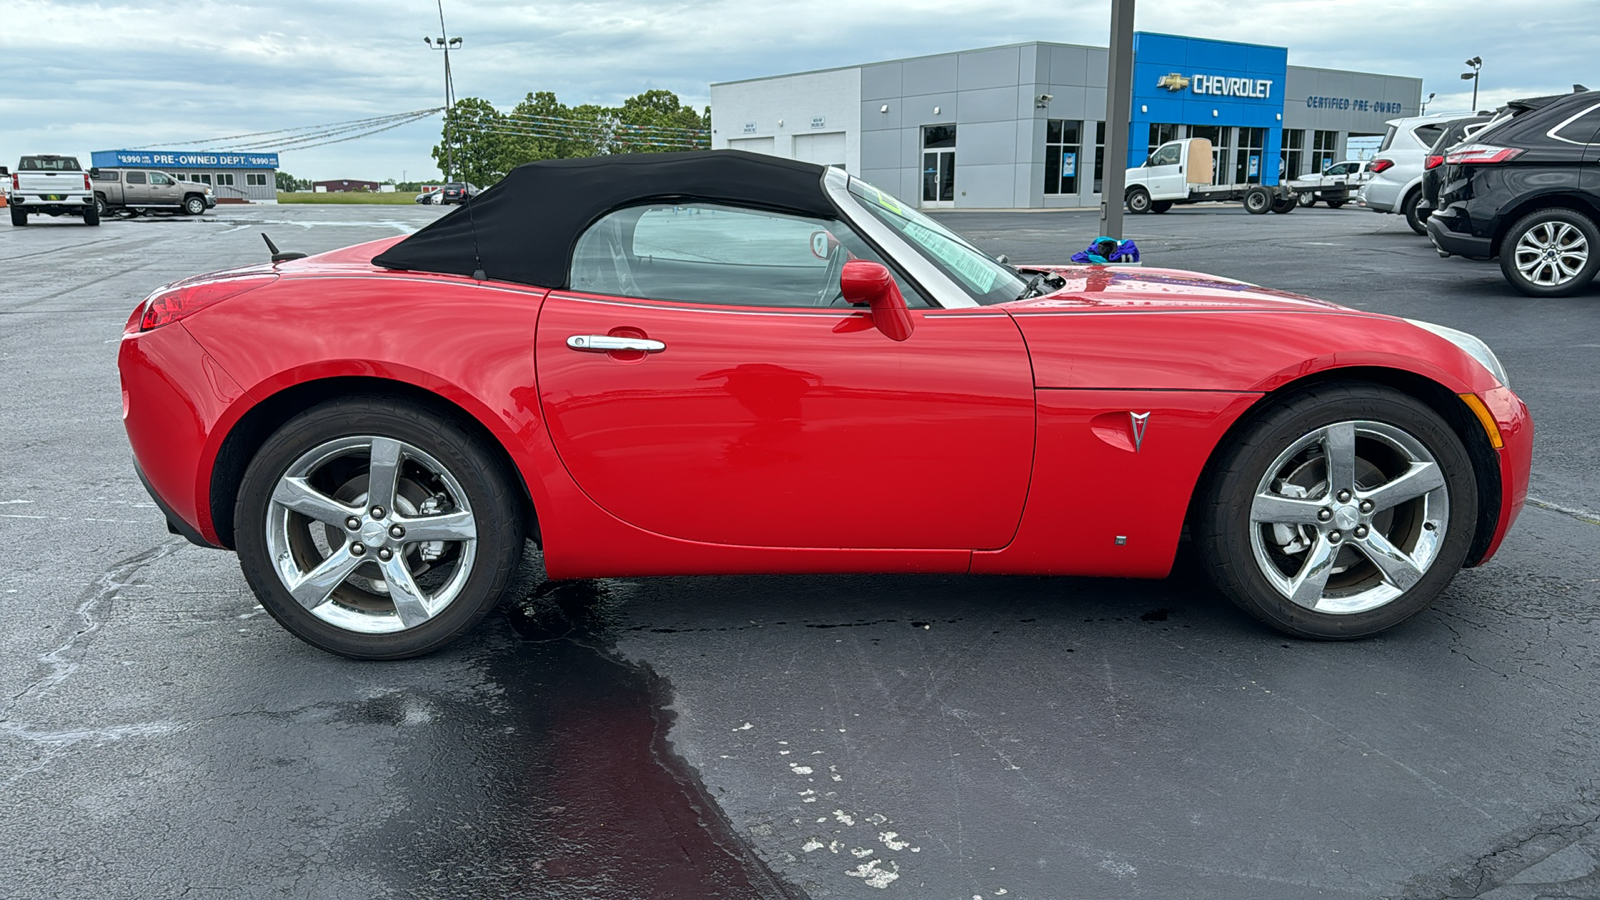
921	737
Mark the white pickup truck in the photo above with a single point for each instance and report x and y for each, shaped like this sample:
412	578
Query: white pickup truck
50	185
1335	186
1182	172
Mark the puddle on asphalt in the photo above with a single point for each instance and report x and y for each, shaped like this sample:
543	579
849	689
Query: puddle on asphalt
566	785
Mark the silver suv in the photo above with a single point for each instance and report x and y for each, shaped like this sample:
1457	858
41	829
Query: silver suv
1395	185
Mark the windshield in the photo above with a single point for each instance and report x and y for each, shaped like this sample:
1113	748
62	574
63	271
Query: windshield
986	280
48	164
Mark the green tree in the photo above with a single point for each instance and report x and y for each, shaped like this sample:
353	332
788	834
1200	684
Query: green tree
286	182
475	143
657	120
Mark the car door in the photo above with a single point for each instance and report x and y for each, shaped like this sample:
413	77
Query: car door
164	190
136	188
767	412
1165	172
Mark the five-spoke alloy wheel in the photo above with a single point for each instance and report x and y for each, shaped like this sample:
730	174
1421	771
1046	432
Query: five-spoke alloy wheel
1340	512
376	529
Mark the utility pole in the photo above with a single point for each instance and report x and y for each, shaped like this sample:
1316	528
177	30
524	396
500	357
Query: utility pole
1476	63
445	43
1119	111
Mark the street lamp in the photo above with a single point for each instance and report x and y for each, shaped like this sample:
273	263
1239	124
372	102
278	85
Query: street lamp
1476	63
446	44
1431	95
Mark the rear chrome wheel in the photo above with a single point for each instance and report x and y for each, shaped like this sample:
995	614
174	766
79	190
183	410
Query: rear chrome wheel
1339	512
1551	253
376	529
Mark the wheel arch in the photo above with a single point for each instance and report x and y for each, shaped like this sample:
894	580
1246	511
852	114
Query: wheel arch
258	423
1564	199
1439	398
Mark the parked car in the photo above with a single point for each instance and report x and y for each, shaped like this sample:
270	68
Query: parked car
1395	185
741	364
429	195
1432	171
1525	189
1334	185
456	192
49	184
136	191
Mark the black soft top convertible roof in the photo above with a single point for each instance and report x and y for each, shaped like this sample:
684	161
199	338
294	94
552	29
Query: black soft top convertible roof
524	228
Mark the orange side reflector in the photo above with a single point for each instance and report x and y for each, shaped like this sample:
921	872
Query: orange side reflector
1482	412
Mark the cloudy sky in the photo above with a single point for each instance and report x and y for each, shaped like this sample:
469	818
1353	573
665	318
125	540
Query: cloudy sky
83	76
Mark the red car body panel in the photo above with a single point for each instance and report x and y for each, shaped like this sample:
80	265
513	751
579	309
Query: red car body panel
838	437
794	441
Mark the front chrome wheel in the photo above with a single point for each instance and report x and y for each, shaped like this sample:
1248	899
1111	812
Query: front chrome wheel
1339	511
1349	517
371	534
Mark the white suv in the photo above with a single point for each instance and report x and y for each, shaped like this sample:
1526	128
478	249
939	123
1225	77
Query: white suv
1395	185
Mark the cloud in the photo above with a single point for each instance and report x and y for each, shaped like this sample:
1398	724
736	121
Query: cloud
88	76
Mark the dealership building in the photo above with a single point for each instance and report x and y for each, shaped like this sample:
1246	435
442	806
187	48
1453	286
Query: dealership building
1023	126
233	177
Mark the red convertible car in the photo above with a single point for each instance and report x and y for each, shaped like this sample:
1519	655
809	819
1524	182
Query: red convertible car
719	362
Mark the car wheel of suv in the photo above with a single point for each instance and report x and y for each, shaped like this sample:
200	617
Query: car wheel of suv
1138	201
1414	217
194	205
19	216
1550	253
1339	512
376	528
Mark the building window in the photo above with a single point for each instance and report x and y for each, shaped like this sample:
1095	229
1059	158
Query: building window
1099	155
1247	159
225	178
255	179
1324	150
1160	134
1294	145
1063	148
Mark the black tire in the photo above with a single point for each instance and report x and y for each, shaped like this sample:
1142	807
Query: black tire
1228	539
19	216
1308	199
1553	221
1284	205
1416	218
194	205
480	579
1257	201
101	208
91	213
1160	206
1138	200
1335	204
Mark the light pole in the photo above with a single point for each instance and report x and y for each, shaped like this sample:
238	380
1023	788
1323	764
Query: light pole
1119	109
1431	95
1476	63
446	43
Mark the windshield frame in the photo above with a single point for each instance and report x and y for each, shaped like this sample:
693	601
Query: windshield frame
977	278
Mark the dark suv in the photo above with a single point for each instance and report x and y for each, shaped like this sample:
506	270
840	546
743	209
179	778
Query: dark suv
1527	189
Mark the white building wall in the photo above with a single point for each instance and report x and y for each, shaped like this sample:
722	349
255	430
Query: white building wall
808	116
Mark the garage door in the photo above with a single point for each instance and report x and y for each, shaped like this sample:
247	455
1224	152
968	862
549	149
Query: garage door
826	149
754	145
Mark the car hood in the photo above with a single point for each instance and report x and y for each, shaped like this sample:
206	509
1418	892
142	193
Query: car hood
1111	287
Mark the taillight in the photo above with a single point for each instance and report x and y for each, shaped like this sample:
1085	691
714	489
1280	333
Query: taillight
1433	162
1481	155
86	185
1379	165
169	305
16	184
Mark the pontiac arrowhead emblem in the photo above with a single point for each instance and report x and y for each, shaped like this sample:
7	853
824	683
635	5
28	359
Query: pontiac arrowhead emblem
1138	421
1172	81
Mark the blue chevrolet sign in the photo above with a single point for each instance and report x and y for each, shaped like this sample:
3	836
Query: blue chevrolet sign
1192	81
181	159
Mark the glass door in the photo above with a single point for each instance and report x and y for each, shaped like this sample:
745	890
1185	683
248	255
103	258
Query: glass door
938	166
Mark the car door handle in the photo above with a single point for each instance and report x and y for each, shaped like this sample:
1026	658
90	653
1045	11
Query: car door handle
607	343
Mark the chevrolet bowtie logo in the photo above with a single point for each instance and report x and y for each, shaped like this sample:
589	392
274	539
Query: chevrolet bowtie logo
1172	81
